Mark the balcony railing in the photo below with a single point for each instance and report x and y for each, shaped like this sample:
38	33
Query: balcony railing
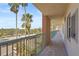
23	46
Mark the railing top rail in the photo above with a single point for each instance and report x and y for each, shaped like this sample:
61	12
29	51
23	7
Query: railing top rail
20	38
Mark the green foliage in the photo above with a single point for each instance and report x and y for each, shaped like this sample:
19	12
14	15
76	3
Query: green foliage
12	32
27	19
6	32
36	31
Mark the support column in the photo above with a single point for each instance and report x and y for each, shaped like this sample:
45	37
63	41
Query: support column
46	28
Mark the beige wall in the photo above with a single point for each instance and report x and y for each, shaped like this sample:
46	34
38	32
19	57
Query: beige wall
56	23
72	46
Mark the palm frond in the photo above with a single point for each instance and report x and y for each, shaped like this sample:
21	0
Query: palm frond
14	7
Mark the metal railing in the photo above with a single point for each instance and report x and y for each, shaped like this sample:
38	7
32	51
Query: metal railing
23	46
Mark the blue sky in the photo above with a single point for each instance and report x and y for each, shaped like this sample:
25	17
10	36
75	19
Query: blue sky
7	18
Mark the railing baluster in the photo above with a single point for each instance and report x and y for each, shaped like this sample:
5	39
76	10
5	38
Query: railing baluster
26	46
6	49
41	42
45	43
0	50
33	41
12	49
43	39
20	48
31	47
17	48
23	47
35	46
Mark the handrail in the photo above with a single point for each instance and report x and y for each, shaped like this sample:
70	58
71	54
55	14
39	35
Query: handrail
19	38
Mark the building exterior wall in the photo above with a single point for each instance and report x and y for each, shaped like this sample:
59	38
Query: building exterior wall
72	46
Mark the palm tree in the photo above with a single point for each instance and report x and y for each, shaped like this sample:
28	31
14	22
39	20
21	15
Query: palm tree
14	8
24	7
27	19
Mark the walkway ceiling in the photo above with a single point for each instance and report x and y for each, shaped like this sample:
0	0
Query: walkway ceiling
52	9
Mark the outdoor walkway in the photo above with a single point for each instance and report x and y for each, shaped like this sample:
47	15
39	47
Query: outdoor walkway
56	49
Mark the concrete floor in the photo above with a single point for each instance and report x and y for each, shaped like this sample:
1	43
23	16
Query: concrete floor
56	49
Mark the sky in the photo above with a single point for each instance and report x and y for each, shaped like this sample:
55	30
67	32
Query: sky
8	18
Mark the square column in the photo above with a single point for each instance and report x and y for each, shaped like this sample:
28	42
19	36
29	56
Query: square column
46	28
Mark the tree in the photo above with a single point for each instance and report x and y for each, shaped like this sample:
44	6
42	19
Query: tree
14	8
27	19
24	8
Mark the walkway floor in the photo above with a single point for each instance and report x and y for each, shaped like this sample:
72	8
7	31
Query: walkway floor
56	49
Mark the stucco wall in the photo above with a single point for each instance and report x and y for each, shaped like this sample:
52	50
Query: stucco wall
72	46
46	28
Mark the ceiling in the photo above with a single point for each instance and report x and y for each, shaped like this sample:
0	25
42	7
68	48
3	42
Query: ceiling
52	9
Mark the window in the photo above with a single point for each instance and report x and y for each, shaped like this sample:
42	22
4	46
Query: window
68	27
72	26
